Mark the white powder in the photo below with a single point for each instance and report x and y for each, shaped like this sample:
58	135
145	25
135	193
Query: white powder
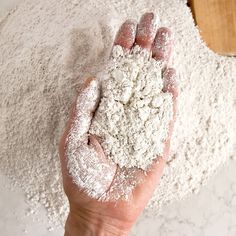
134	114
45	45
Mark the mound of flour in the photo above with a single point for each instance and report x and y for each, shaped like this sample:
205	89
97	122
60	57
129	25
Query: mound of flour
47	47
134	113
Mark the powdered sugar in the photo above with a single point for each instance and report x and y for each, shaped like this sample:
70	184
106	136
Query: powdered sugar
134	113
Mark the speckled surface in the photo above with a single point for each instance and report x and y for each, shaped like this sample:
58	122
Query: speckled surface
211	212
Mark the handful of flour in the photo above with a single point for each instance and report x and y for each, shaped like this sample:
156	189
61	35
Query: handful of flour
134	113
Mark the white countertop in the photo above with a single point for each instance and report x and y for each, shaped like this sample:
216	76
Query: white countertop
211	212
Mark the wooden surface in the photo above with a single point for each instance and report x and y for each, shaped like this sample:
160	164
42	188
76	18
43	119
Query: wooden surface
216	20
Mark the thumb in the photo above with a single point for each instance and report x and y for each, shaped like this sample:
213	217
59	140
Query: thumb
81	114
86	104
83	161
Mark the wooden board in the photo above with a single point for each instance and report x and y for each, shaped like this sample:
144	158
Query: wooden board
216	20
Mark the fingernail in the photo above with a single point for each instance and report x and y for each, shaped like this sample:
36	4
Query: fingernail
126	34
162	44
147	28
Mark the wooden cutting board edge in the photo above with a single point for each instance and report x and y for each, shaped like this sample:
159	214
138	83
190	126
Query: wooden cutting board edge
218	33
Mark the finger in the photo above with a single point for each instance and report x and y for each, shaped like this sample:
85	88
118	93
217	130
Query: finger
86	104
85	164
126	34
162	45
146	30
86	114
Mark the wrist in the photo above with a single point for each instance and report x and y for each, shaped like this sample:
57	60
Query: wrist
81	225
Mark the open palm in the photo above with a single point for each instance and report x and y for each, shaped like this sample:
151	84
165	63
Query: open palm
108	180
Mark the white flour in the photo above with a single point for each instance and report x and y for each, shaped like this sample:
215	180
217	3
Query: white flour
133	116
45	45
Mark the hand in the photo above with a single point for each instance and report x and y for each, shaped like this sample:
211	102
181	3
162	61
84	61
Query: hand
96	207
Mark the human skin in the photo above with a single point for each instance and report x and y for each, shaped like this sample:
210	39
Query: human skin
89	216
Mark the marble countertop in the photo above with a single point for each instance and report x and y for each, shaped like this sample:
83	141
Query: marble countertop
211	212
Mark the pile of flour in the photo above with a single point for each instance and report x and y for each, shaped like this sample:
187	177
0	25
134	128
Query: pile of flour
48	47
134	113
